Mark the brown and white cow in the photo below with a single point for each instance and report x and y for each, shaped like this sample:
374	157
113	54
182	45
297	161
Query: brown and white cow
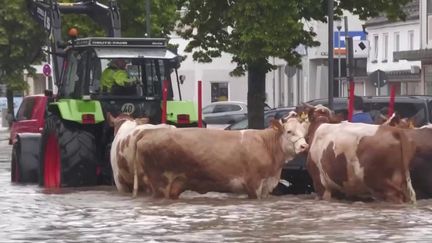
204	160
421	163
123	151
359	161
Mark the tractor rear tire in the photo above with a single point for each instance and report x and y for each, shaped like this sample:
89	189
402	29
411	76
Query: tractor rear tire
68	155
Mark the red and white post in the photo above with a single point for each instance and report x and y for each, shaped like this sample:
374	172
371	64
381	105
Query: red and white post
164	101
392	100
200	124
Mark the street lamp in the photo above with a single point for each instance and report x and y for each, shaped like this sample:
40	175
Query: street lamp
339	27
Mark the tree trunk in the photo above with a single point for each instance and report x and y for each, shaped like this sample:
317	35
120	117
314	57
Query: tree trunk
256	94
10	106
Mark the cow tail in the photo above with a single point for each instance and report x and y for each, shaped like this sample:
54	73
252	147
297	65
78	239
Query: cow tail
408	150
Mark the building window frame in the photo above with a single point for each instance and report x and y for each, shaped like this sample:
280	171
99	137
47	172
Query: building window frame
219	91
376	49
396	45
411	40
385	47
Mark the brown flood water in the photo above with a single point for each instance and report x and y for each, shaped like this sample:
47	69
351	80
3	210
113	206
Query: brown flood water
29	213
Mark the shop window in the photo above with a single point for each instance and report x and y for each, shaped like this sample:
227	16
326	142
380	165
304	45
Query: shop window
219	91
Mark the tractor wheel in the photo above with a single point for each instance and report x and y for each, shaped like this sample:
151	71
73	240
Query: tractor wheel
68	155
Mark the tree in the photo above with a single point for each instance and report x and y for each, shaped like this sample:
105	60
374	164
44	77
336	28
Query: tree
21	38
133	19
254	30
20	45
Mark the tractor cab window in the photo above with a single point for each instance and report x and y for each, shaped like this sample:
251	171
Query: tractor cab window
74	74
127	76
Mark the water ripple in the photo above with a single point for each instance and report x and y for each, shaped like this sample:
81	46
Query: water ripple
29	213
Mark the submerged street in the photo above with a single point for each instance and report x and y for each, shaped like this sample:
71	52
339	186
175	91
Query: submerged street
29	213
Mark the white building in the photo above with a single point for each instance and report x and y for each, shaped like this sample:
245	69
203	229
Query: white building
285	86
386	37
424	52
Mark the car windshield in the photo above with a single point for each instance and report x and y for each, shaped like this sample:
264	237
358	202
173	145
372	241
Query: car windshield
415	110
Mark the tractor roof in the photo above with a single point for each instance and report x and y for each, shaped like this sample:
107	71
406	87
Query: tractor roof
109	47
121	42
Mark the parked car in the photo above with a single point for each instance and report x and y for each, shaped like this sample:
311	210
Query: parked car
29	117
268	117
29	120
417	107
224	112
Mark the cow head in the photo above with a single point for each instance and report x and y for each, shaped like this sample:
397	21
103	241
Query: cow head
397	121
318	115
293	133
117	122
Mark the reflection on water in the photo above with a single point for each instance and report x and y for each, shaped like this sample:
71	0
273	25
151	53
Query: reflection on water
101	214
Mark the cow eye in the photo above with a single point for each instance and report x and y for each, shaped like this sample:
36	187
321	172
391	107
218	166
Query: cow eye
289	131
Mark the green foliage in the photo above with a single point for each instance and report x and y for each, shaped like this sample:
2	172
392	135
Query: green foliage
163	17
20	42
254	30
133	19
21	38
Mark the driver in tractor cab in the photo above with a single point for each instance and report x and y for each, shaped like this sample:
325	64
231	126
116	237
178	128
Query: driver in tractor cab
115	78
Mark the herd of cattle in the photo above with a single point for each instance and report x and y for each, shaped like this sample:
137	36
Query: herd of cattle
354	161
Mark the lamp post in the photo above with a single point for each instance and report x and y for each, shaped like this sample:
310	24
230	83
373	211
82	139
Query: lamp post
330	12
339	27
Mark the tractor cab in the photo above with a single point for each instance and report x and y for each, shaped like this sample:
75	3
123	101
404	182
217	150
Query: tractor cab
125	74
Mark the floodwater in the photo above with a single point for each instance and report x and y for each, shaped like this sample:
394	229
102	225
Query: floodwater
29	213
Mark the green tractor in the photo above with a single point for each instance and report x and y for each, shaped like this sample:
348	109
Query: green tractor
75	142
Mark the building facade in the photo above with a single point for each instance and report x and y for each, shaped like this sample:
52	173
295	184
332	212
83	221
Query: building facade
424	52
285	86
386	37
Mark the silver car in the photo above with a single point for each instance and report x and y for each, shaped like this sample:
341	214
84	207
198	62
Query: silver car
224	112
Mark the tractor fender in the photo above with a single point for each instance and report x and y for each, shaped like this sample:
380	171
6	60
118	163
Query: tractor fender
74	110
27	156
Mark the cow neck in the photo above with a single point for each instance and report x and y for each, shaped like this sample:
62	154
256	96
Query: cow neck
421	136
118	125
272	141
315	123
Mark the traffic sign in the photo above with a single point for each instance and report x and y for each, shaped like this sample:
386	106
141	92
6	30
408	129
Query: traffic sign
46	70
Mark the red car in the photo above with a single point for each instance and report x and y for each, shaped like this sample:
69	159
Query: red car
29	122
30	116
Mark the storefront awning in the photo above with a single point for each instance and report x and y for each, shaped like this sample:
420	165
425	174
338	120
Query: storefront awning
414	55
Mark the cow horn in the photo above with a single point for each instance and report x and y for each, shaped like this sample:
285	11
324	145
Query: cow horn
308	105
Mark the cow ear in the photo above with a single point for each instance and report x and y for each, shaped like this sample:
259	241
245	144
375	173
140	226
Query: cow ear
276	125
394	120
411	123
110	119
